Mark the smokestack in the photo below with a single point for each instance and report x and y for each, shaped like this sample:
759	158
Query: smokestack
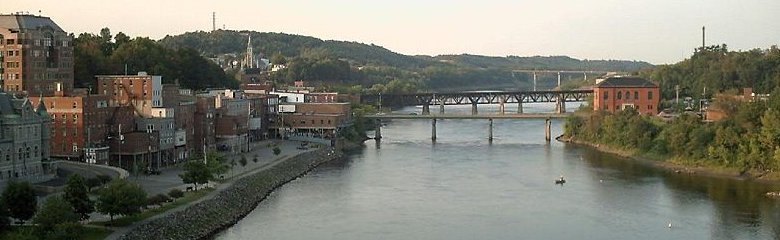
213	21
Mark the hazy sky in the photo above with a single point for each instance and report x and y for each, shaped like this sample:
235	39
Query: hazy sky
657	31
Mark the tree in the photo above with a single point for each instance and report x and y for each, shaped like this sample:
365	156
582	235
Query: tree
76	194
277	151
56	210
243	161
4	221
121	197
195	172
278	59
19	198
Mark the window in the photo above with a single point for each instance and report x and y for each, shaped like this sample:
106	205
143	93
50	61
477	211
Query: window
649	95
620	95
628	95
606	95
636	95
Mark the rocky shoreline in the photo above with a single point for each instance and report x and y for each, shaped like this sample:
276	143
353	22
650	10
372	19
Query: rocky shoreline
207	218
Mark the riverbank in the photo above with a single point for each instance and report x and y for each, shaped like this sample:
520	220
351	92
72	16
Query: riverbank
229	205
680	166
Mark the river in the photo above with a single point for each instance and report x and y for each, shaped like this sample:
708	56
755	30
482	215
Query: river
463	187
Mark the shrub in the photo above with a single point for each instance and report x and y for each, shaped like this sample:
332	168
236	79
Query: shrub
158	199
176	193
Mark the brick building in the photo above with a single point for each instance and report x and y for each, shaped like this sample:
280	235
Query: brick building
35	55
141	91
618	93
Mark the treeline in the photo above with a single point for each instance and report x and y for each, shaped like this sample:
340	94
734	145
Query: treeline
105	54
748	140
717	69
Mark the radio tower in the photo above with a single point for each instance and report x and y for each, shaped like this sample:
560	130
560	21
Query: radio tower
702	37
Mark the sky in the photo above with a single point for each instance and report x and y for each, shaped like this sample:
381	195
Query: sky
656	31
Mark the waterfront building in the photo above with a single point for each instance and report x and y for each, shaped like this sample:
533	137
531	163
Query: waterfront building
618	93
35	55
24	140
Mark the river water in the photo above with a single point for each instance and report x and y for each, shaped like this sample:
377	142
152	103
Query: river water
463	187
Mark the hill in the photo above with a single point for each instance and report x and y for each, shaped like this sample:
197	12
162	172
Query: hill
323	61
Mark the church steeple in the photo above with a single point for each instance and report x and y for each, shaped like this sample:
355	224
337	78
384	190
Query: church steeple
249	59
41	110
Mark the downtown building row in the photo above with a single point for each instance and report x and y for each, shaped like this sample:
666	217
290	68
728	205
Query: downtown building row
131	121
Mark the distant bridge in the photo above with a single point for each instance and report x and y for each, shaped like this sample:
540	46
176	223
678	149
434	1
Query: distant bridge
434	117
479	97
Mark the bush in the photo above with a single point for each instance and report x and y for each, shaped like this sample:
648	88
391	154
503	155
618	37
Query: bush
104	179
176	193
242	161
158	199
255	159
277	151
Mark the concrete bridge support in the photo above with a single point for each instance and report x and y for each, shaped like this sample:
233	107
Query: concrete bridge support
560	104
501	104
520	106
474	108
547	124
433	130
378	131
441	107
490	130
426	109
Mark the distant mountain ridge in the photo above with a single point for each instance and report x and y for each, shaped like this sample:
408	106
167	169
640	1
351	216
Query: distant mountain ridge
290	45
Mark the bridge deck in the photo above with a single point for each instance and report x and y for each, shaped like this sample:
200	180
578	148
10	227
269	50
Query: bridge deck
466	116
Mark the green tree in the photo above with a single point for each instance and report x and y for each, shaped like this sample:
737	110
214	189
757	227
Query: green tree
195	172
19	198
121	197
277	151
76	194
56	210
4	214
278	59
243	161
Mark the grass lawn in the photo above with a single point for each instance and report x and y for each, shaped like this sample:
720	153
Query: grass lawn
127	220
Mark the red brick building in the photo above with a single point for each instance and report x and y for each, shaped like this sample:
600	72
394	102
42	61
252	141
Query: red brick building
35	55
618	93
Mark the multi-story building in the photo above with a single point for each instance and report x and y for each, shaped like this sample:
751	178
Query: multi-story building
81	123
618	93
141	91
24	140
320	120
35	55
205	112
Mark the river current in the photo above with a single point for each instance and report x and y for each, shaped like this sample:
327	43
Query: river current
464	187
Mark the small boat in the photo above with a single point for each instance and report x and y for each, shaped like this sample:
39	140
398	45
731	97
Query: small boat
560	181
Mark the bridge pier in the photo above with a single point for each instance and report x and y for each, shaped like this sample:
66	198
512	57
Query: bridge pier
474	108
520	106
378	131
490	130
560	104
433	130
441	107
426	109
547	124
501	104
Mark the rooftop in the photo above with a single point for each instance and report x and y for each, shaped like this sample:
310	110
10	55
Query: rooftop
612	82
27	21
